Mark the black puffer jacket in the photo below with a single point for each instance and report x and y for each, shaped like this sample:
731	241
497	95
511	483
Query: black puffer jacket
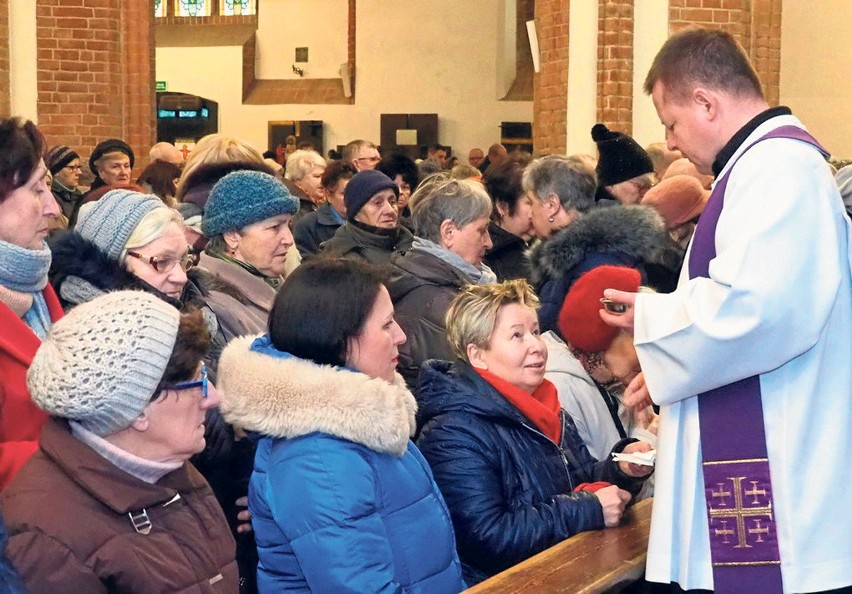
376	246
633	236
422	287
509	488
507	257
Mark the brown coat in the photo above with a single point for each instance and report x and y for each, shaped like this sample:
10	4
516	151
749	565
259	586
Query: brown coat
69	528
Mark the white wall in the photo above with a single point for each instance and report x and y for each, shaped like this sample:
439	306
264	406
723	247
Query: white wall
23	62
412	57
816	61
582	77
650	31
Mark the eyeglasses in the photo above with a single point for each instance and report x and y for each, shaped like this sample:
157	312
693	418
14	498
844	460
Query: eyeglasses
73	167
167	264
202	383
369	159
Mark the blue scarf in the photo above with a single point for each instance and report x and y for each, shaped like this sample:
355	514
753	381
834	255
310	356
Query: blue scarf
23	276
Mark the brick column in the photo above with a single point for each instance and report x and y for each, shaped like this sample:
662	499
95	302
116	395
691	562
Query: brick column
755	23
95	73
5	96
550	84
615	64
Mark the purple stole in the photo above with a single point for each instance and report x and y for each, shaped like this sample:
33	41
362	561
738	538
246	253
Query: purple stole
737	485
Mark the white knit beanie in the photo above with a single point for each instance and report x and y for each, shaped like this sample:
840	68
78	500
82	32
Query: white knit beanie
101	363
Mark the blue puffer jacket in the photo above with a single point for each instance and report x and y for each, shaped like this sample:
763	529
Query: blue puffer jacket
9	581
509	487
341	499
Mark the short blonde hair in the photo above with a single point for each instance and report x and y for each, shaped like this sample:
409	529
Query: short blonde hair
153	226
472	315
216	149
301	163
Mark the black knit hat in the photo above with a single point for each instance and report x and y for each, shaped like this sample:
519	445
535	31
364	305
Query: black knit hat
111	145
58	157
619	157
364	186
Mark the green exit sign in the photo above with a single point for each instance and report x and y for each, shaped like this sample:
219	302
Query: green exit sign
160	85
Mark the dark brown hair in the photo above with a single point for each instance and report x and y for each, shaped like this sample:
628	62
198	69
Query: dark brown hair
22	146
336	171
191	345
703	57
162	177
502	181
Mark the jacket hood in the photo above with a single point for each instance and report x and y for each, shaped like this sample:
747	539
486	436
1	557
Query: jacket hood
634	230
278	395
417	268
446	386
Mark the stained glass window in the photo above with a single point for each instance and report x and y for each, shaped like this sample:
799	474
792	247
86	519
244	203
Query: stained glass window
192	8
159	8
237	7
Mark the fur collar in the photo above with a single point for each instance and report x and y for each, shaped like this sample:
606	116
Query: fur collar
634	230
286	397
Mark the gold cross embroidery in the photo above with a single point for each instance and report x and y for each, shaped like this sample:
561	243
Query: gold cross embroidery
739	513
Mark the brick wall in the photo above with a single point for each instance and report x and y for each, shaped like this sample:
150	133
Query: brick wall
95	73
755	23
550	84
5	99
615	64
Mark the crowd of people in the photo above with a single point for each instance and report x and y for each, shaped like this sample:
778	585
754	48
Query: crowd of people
368	374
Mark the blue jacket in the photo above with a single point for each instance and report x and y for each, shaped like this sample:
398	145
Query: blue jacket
9	581
341	499
508	486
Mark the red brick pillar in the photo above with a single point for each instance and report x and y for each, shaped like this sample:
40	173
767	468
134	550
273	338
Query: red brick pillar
615	64
95	73
550	84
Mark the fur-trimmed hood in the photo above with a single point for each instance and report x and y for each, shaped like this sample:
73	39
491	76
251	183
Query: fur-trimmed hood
278	395
635	230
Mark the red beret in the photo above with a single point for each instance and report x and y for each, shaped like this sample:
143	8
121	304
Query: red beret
579	321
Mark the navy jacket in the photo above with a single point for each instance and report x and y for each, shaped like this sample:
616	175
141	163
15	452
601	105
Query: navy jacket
509	488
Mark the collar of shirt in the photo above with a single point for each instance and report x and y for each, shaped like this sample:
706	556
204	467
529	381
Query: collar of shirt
737	139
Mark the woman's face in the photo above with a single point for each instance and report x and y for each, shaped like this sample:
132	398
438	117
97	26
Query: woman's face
114	169
26	212
404	191
520	223
632	190
375	351
539	215
311	185
263	245
69	176
169	250
621	359
516	352
175	423
335	196
379	211
470	241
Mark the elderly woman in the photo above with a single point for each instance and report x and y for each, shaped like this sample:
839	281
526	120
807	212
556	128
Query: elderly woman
511	220
64	166
109	503
303	177
28	305
311	230
451	220
341	499
372	231
578	237
505	455
624	170
111	163
247	223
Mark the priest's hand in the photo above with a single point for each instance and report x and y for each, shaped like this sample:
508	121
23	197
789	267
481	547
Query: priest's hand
620	320
613	500
636	395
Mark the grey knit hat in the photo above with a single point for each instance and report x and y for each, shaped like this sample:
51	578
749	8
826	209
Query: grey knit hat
242	198
101	364
109	222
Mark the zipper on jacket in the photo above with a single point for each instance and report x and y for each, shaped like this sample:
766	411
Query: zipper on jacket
565	464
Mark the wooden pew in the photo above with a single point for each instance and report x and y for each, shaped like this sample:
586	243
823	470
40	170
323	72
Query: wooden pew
589	563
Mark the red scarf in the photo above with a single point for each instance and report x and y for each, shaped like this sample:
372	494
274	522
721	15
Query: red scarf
541	407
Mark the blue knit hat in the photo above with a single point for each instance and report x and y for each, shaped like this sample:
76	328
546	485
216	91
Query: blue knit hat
242	198
364	186
109	222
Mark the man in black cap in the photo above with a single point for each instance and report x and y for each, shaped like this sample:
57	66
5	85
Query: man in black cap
64	165
111	163
625	171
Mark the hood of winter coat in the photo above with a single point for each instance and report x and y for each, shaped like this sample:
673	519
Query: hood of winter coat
634	230
417	268
278	395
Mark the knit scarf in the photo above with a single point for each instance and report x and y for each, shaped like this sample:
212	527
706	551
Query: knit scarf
273	282
541	407
480	276
23	275
146	470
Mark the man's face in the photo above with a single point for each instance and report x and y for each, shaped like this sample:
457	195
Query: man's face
689	127
366	158
475	158
440	156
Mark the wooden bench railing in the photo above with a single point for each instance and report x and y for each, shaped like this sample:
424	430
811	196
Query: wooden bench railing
589	563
